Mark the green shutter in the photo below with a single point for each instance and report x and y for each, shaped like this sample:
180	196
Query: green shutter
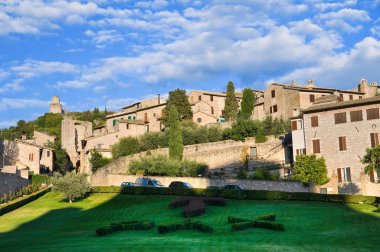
114	122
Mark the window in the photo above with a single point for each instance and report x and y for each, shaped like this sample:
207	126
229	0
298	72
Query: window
372	113
274	109
341	97
199	120
301	152
128	126
273	92
113	122
154	114
356	116
351	97
360	97
342	143
31	157
212	110
48	153
200	97
344	174
312	98
314	121
340	118
316	146
294	125
211	98
374	139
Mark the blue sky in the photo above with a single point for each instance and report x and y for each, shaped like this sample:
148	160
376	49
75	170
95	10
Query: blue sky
112	53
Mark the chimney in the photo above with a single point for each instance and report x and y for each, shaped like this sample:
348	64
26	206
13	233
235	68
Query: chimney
159	98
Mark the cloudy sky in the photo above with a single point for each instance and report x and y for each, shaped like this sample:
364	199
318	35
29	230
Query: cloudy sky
112	53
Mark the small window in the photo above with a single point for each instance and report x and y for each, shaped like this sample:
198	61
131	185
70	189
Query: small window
312	98
273	92
344	174
211	98
374	139
113	122
31	157
154	114
351	97
341	97
274	108
301	152
128	126
200	97
340	118
372	113
356	116
199	120
360	97
316	146
294	125
48	153
342	143
212	110
314	121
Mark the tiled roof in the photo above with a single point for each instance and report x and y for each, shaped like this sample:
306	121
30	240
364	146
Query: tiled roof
327	98
343	104
315	89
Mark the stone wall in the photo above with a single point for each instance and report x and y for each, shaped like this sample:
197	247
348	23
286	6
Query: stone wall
11	182
104	179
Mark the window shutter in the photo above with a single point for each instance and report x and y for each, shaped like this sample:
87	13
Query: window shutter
312	98
314	121
316	146
348	174
339	175
294	125
374	139
372	113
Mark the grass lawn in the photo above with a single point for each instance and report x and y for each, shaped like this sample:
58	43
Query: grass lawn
48	224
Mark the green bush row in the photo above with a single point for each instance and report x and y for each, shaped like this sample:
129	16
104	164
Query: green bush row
187	225
268	217
232	219
10	206
125	226
257	224
240	194
26	190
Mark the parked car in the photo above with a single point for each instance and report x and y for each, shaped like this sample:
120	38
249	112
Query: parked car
233	187
127	184
149	182
179	184
212	187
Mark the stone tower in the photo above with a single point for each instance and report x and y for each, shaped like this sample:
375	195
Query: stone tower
55	105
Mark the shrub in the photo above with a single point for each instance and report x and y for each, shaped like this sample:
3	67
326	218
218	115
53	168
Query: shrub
125	226
72	185
310	168
242	174
187	225
97	160
153	140
195	207
243	129
126	146
263	174
268	217
232	219
257	224
192	168
37	179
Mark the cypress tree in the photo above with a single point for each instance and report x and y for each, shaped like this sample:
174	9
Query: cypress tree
179	99
231	105
247	103
175	134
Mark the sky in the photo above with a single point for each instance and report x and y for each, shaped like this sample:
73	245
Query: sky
113	53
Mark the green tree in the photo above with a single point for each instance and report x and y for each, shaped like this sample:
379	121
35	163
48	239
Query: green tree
175	134
310	168
60	163
231	105
372	160
126	146
247	103
97	160
179	99
72	185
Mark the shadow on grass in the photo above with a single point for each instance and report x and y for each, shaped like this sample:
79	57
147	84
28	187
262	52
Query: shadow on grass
72	226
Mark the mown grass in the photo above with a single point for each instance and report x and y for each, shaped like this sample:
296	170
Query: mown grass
48	224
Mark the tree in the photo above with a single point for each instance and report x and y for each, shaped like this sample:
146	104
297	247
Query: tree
175	134
372	160
126	146
231	105
310	168
247	103
10	152
97	160
179	99
72	185
61	161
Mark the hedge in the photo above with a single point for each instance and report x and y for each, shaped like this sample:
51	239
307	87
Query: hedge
187	225
240	194
257	224
125	226
10	206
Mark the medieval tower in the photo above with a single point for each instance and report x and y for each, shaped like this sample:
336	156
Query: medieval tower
55	105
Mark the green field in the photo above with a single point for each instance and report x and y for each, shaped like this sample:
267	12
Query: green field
48	224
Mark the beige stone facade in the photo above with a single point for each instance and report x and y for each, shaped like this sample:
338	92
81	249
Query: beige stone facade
55	105
37	159
340	132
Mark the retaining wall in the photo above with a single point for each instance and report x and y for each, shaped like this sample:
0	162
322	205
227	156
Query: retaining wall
11	182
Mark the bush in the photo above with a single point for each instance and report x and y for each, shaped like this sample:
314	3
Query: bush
126	146
37	179
163	166
153	140
257	224
187	225
232	219
97	160
310	168
264	174
72	185
195	206
268	217
242	174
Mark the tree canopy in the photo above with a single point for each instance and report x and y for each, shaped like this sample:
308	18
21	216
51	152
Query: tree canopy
310	168
247	103
372	160
179	99
231	105
175	134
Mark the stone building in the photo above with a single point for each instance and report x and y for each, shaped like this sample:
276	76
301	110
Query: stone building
340	131
55	105
36	158
286	100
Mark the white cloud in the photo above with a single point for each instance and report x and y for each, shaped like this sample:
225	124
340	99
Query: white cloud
155	4
72	84
8	103
345	19
118	103
103	37
335	5
32	68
